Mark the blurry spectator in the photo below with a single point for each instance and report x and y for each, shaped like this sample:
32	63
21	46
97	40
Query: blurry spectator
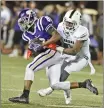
23	5
17	35
52	12
48	9
12	31
40	13
55	16
86	20
100	38
33	6
68	6
5	21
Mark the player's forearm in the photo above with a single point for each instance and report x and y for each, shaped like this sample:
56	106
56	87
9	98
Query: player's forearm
53	39
70	51
55	36
75	49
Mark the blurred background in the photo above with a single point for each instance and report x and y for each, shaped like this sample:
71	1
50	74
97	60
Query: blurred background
11	37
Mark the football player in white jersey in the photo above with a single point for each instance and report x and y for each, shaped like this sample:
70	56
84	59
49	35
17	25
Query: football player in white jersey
75	40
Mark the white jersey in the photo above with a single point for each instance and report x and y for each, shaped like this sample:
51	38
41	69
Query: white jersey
81	33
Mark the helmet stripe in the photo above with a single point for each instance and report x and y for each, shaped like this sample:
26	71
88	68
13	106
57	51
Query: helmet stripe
72	13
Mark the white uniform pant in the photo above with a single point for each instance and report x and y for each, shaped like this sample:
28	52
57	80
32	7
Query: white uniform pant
47	58
53	73
73	65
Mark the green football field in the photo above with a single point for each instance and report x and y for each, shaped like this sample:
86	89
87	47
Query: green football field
12	81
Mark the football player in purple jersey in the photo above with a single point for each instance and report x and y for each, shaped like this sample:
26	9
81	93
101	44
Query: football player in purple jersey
41	30
42	36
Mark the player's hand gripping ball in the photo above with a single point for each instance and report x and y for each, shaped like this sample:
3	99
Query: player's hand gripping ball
36	45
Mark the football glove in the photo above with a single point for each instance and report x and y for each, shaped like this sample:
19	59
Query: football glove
36	45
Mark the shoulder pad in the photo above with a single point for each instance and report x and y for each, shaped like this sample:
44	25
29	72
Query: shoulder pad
45	22
59	28
82	33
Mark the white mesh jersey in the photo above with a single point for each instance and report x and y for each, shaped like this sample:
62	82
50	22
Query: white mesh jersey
69	39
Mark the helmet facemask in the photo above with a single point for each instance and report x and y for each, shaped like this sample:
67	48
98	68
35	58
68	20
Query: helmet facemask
69	26
25	22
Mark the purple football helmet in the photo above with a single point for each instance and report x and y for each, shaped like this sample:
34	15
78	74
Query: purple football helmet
26	19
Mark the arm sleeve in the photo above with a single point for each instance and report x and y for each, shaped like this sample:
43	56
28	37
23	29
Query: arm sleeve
47	23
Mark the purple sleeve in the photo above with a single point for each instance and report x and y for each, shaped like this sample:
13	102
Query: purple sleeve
47	23
25	38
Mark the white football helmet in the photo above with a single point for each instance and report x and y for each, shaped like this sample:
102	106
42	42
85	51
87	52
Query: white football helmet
71	21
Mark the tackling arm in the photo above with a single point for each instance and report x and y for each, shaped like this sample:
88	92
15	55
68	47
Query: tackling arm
80	39
71	51
55	36
76	48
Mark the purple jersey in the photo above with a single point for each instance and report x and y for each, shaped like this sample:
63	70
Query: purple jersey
40	29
